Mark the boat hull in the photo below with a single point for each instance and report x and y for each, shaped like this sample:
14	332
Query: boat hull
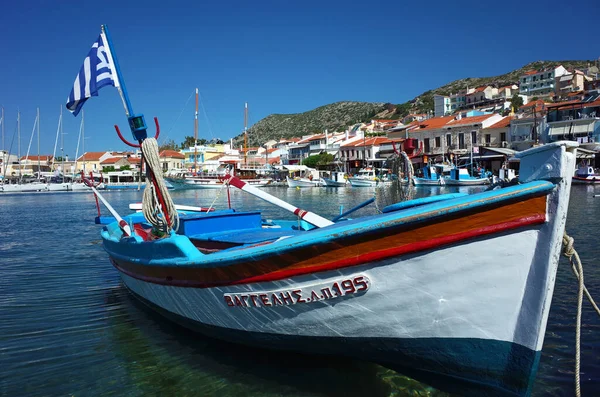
331	183
426	182
467	182
423	329
302	182
590	180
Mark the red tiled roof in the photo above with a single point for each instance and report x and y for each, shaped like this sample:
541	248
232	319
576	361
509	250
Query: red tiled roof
114	160
469	120
531	72
171	153
45	157
433	123
91	156
505	122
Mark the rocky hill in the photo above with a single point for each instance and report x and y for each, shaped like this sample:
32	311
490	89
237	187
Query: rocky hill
424	102
340	115
334	117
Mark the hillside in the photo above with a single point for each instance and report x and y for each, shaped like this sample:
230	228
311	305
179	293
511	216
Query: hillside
424	102
340	115
335	116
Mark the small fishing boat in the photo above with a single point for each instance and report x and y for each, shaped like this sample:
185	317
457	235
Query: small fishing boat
432	176
461	177
370	177
586	175
452	290
335	179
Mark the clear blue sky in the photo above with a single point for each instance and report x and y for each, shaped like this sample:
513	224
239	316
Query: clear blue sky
279	56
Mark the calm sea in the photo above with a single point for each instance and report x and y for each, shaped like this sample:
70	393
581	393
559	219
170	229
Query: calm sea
68	327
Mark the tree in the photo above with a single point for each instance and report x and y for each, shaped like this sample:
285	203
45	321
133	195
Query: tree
125	167
188	142
516	102
318	159
168	145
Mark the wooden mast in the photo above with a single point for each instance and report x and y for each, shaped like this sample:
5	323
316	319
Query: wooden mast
246	133
196	136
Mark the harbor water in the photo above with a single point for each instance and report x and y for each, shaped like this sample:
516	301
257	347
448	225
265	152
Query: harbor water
68	326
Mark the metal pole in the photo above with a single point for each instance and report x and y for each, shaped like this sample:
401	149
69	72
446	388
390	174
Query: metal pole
120	82
196	136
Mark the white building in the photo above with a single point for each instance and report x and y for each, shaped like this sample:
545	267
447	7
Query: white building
540	82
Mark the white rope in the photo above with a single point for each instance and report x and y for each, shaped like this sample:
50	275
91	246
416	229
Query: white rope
577	268
226	183
150	204
408	167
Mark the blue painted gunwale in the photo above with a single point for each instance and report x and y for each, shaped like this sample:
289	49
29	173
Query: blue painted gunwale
178	250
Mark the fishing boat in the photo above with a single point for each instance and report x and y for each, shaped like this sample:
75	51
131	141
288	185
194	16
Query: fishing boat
586	175
453	290
303	177
461	177
370	177
335	179
432	176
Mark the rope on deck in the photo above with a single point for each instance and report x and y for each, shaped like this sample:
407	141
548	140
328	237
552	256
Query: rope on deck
577	268
151	203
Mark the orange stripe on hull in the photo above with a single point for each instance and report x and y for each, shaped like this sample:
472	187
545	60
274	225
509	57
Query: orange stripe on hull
391	241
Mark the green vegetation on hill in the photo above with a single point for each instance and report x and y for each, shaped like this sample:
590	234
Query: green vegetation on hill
338	116
333	117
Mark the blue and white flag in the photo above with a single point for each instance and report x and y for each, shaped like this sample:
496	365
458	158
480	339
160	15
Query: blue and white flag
98	70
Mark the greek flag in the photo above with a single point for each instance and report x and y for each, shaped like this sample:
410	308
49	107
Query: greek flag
97	71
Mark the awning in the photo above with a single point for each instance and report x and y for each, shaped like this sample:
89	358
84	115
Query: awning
294	167
573	127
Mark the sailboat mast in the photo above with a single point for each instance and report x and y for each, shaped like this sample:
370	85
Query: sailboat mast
19	142
3	147
196	135
246	133
62	147
83	139
38	134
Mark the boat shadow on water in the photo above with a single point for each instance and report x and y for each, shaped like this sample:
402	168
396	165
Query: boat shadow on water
165	358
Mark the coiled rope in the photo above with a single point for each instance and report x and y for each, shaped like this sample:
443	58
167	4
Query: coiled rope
577	268
151	207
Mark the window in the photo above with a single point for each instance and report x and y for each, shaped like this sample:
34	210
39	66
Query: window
461	141
448	140
503	136
473	137
426	141
438	141
488	138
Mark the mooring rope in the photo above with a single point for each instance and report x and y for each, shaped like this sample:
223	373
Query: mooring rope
577	268
151	207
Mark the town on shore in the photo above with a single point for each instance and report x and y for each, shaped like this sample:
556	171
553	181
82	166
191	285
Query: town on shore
486	124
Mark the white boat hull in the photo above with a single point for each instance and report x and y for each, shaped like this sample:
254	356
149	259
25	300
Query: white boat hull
426	182
302	182
467	182
331	183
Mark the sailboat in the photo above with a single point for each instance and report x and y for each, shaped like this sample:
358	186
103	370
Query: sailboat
21	185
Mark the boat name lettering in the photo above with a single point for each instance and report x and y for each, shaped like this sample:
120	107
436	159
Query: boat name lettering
320	292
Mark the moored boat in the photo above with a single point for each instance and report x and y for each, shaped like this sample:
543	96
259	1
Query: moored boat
461	177
586	175
454	290
465	263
